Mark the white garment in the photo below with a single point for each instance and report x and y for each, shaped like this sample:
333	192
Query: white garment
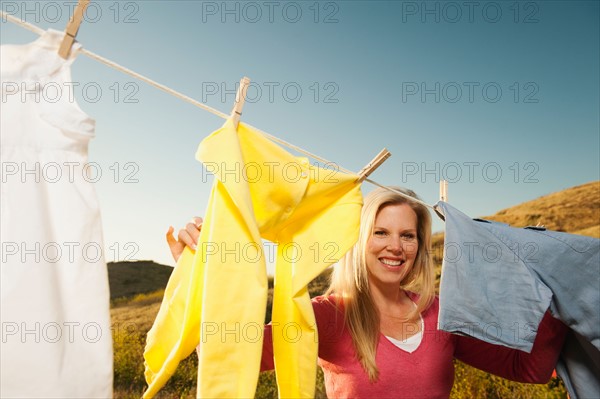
54	297
411	343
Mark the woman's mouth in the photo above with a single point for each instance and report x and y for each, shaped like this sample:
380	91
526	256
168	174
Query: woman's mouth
393	264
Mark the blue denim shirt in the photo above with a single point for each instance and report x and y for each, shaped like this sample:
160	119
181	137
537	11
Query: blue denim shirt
497	282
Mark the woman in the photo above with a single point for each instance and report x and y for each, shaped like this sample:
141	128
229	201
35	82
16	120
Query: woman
377	324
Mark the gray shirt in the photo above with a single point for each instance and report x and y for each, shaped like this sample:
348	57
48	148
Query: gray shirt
498	281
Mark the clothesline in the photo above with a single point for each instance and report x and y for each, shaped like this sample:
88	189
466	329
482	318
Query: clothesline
39	31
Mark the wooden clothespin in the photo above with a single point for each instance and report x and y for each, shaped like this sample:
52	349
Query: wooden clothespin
374	164
444	190
72	29
240	99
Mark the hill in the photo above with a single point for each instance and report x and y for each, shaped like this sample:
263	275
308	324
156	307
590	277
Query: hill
127	279
575	210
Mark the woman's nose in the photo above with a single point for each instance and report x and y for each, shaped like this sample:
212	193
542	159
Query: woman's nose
395	245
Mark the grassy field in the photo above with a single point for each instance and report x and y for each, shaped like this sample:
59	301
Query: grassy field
137	289
133	318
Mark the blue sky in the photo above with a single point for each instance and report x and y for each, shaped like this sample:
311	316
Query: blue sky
499	97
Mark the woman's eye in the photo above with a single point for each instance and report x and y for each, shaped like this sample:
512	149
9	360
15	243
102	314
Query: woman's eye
379	233
409	236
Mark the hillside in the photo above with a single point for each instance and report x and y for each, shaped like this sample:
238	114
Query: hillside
127	279
575	210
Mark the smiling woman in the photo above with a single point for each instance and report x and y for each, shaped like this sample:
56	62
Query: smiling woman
390	259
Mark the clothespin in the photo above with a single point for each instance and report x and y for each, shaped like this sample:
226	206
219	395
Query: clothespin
72	28
240	99
444	190
374	164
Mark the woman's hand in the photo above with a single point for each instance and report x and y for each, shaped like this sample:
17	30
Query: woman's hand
187	236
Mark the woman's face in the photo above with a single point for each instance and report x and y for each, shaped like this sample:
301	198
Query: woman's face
393	245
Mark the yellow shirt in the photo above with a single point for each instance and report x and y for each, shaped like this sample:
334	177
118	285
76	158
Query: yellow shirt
216	296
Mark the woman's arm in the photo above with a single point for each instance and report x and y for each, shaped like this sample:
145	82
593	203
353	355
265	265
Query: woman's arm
330	325
266	362
535	367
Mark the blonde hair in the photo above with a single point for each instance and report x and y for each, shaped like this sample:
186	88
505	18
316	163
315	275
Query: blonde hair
349	280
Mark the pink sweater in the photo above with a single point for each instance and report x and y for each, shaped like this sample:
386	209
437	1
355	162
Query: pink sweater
428	372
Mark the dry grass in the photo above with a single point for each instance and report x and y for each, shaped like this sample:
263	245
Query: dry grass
575	210
131	320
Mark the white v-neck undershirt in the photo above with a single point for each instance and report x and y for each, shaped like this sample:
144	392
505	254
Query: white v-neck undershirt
411	343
